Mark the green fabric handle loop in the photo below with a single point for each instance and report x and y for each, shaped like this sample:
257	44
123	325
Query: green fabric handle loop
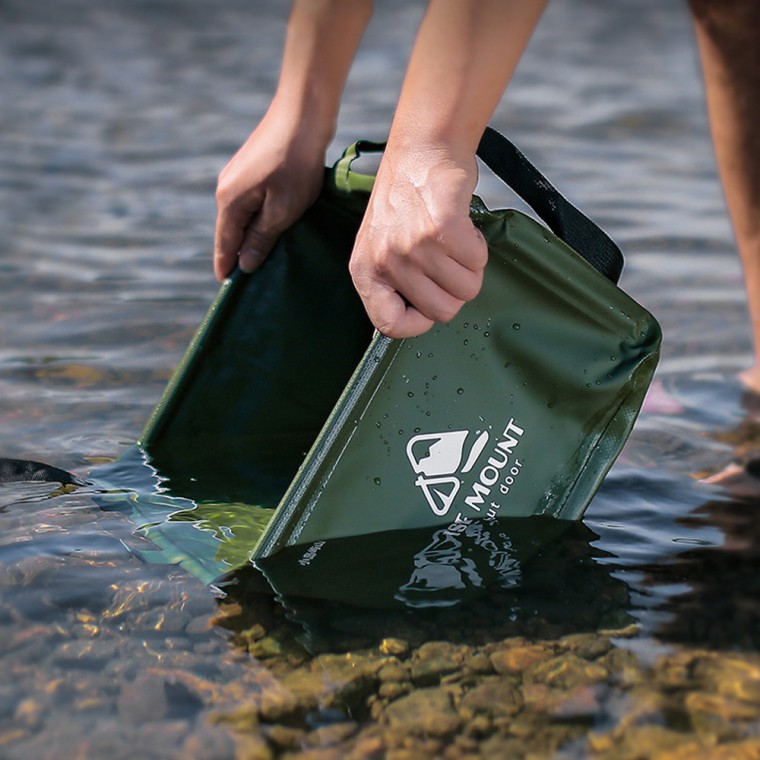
349	181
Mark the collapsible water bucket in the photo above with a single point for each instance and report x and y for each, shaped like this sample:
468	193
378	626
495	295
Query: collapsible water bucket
290	427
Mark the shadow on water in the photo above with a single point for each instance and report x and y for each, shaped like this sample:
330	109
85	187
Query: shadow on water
691	548
719	597
421	586
704	593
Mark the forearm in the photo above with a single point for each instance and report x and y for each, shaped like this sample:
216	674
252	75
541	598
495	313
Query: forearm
320	44
418	257
464	56
278	171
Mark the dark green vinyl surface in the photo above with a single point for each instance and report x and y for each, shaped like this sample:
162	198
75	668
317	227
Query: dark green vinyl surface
266	366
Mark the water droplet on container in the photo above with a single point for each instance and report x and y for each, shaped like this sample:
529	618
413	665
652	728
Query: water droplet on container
486	334
613	358
377	481
465	341
460	391
516	326
410	394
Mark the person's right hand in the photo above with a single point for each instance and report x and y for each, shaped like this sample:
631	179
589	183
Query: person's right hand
418	257
274	177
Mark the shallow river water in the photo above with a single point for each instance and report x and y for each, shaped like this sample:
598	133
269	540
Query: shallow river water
635	635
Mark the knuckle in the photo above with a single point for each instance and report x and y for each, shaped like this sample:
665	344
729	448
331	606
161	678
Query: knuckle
379	265
225	189
358	271
446	312
474	258
222	194
383	266
276	214
470	287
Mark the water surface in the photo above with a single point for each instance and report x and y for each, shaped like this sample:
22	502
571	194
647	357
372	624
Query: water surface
116	119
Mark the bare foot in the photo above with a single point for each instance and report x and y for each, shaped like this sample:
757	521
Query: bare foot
750	379
737	479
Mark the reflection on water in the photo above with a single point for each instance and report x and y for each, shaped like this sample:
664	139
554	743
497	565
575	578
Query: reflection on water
635	630
558	584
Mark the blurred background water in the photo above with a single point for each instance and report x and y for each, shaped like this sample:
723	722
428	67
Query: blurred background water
116	118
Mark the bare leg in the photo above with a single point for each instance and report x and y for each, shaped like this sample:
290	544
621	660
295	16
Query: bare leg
728	36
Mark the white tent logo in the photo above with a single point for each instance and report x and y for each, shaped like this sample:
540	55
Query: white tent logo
437	460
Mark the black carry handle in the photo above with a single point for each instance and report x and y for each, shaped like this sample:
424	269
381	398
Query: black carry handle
562	218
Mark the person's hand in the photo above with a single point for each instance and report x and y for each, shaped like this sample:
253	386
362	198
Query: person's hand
274	177
418	257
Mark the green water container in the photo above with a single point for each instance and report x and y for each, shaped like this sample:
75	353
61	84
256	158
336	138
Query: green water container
286	404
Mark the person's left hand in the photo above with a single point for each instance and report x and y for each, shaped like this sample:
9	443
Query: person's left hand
274	177
418	257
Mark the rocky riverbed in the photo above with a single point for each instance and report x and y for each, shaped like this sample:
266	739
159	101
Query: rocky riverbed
583	694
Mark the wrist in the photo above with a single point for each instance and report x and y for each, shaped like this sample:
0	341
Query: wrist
304	118
432	142
423	153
